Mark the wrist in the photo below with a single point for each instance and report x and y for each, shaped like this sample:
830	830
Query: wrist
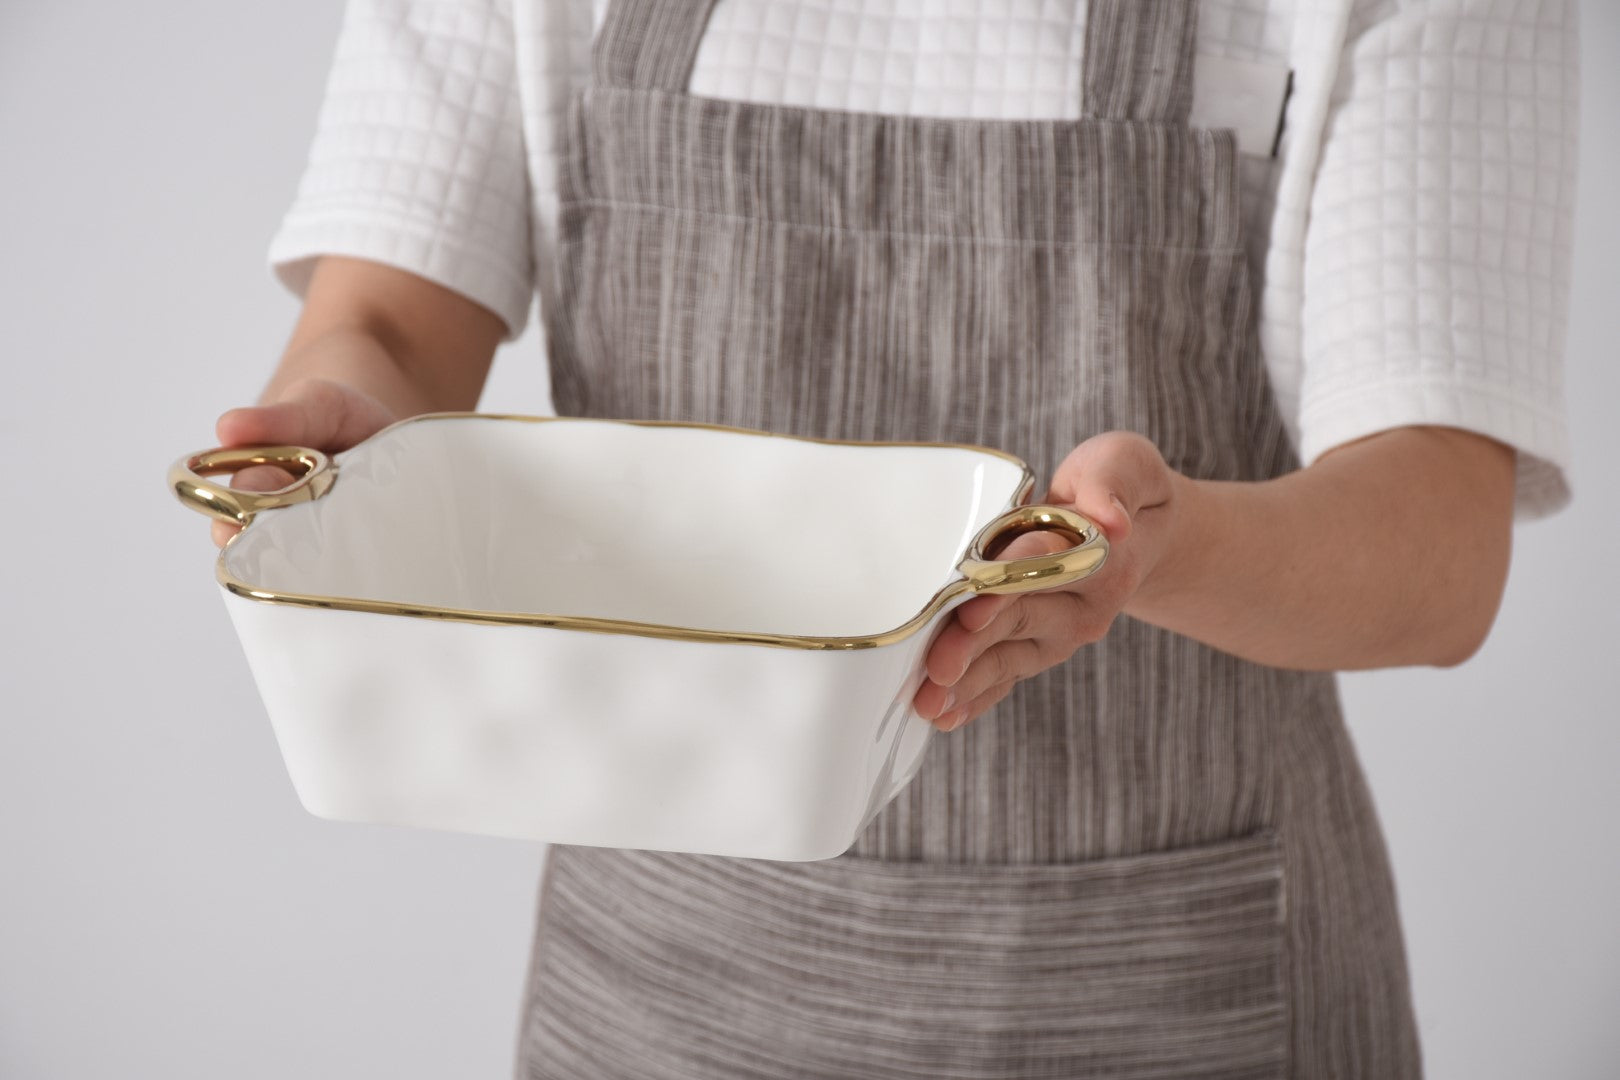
1190	545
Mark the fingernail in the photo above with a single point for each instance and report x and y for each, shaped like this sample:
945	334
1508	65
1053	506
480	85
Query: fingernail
950	699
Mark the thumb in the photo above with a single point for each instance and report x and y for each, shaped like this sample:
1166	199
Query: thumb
1110	478
1098	498
1100	495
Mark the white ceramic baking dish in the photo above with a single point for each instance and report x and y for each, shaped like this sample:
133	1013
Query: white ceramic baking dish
633	634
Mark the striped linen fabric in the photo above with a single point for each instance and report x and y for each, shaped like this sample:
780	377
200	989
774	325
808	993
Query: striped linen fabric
1152	860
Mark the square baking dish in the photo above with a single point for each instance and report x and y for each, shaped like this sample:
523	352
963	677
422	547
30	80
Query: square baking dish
645	634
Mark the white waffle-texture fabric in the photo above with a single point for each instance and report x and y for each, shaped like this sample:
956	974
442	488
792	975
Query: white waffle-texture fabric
1411	238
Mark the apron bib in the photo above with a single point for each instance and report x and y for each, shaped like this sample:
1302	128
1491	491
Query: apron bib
1153	860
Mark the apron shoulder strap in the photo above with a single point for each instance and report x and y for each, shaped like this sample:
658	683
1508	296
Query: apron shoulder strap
649	44
1138	62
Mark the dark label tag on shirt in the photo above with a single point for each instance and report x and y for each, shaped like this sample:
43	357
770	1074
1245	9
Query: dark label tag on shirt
1248	96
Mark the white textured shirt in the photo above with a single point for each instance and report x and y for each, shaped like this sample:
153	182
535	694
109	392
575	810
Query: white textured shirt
1410	240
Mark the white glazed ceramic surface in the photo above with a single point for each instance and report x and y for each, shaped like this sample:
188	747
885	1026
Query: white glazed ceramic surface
617	739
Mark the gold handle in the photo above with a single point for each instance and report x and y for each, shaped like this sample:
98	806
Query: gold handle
237	506
1034	571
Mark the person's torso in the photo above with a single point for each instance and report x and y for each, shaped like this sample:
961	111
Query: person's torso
1018	284
1151	859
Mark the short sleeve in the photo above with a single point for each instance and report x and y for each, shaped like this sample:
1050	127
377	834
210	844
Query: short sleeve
417	159
1437	253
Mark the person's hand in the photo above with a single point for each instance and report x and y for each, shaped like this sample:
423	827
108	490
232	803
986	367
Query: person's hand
1120	482
321	414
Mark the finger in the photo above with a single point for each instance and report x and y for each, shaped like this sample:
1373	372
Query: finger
974	709
316	412
957	646
262	478
1110	478
1007	661
1030	542
283	422
980	611
223	531
252	478
981	622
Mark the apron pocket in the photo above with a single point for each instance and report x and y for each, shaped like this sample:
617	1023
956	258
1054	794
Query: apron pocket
1160	965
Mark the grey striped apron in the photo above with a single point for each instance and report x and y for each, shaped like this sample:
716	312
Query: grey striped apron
1153	860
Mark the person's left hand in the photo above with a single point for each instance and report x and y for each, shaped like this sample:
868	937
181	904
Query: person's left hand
1121	482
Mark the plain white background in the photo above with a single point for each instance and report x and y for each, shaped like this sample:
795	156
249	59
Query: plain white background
168	910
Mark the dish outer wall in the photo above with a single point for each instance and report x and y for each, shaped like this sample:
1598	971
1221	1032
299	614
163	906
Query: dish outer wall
566	734
712	747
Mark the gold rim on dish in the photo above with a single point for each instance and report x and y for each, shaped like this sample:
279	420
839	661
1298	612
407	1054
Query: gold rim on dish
319	474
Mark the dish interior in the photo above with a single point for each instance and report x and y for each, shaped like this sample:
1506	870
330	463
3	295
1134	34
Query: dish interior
680	526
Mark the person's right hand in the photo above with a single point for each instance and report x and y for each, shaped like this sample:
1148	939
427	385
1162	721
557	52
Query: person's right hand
321	414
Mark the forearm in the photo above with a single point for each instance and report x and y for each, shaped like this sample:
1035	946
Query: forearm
413	345
356	357
1390	551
